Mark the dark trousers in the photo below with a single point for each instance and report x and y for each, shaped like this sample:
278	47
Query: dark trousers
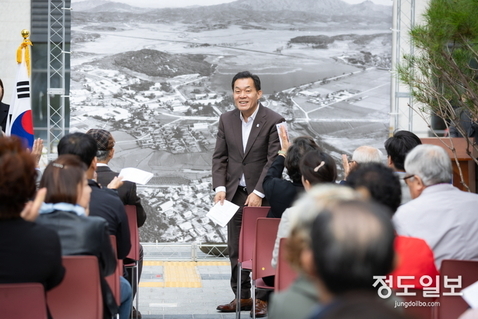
233	232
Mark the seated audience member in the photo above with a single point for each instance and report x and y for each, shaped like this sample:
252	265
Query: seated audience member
363	154
66	211
397	148
301	297
441	214
316	167
127	192
105	153
104	202
29	252
279	192
415	258
352	241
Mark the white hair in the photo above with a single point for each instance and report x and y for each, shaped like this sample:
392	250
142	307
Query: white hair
431	163
367	154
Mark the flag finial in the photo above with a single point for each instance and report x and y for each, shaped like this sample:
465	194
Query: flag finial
25	33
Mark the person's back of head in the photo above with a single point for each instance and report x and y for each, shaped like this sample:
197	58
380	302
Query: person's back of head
61	179
380	182
300	146
352	241
399	145
318	167
431	163
17	177
316	199
366	154
105	142
79	144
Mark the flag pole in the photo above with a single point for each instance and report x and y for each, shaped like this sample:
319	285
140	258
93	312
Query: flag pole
19	120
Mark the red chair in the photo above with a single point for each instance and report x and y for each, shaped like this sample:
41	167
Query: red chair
246	244
451	307
113	279
79	294
22	301
134	252
265	237
285	275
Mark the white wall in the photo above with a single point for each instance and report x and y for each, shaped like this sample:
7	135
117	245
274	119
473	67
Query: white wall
406	118
14	17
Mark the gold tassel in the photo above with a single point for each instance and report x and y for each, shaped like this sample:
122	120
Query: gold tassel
25	45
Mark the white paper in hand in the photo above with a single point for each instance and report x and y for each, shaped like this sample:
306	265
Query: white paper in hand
222	214
470	294
135	175
284	126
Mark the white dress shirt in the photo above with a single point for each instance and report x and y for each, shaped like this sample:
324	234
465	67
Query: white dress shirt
446	218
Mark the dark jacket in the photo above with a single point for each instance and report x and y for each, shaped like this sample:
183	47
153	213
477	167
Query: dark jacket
280	193
230	161
3	115
105	203
83	235
127	192
29	253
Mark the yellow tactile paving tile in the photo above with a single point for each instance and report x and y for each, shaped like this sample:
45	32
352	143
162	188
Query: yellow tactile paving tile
180	273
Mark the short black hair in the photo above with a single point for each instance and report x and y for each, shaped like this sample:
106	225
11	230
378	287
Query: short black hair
352	241
247	75
314	171
381	182
300	146
399	145
80	144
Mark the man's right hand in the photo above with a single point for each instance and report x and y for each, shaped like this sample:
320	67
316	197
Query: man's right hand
220	197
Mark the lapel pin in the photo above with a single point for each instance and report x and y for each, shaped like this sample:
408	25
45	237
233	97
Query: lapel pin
257	125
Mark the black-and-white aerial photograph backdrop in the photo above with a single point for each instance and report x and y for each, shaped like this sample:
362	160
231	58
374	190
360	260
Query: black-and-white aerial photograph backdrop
157	74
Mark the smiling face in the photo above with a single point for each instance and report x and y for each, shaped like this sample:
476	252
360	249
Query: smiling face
246	96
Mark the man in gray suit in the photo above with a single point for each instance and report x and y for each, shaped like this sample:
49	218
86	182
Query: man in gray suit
246	145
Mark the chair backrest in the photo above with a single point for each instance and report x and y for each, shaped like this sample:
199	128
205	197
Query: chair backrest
451	307
248	230
285	275
79	294
133	232
113	279
266	232
22	301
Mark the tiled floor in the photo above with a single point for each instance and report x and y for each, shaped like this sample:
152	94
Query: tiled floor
184	289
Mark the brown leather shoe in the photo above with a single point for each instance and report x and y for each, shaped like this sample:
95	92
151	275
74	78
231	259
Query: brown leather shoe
261	308
246	304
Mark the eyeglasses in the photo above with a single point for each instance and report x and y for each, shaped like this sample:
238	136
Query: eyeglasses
408	177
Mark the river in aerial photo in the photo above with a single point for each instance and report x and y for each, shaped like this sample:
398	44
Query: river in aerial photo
278	78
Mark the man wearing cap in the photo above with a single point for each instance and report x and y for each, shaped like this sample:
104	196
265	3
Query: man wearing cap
127	192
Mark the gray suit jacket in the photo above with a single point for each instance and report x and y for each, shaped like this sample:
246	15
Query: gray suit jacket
229	161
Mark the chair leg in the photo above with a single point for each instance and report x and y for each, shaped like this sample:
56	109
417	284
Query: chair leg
253	299
136	282
238	291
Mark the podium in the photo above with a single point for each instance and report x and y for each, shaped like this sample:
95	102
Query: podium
465	162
